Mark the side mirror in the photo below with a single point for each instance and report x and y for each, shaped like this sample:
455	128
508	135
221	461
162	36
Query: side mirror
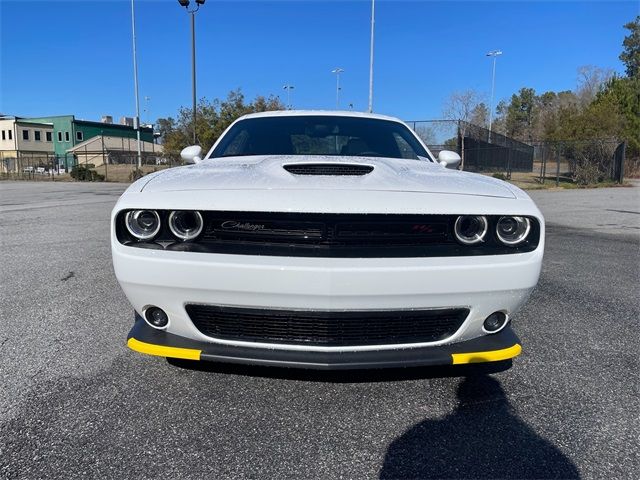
191	154
449	159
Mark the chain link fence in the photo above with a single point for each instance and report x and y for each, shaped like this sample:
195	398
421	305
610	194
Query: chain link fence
28	166
480	149
581	162
112	166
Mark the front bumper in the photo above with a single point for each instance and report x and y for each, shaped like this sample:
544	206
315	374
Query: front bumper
171	280
489	348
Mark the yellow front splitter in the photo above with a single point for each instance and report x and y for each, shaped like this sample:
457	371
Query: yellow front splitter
487	356
163	351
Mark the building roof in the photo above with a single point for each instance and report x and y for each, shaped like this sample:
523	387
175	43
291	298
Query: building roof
109	125
92	123
22	120
113	144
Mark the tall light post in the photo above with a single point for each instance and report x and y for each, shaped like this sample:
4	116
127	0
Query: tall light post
495	54
288	88
136	123
373	21
192	11
337	71
147	111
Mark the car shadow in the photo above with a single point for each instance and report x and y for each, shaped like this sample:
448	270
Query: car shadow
482	438
344	376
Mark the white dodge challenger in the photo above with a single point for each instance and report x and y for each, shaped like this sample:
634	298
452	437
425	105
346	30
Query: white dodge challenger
325	240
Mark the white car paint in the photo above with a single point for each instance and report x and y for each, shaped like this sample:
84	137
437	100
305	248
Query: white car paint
171	279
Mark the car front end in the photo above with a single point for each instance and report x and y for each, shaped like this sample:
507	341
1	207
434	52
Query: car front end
320	289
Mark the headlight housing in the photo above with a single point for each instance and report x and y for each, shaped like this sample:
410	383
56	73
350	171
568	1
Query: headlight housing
185	224
471	229
143	224
513	230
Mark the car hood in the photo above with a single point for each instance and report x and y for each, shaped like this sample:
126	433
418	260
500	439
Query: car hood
268	173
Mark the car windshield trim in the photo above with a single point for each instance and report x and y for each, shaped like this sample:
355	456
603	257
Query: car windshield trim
320	135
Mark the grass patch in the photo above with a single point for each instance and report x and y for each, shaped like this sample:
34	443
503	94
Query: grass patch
531	181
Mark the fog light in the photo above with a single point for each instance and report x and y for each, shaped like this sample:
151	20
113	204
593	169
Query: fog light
156	317
495	322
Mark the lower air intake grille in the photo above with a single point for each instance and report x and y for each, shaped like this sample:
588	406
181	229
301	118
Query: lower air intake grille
326	328
328	169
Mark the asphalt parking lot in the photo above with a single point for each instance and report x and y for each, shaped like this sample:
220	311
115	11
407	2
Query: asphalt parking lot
75	402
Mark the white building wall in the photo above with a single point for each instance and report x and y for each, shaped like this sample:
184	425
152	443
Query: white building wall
7	130
32	144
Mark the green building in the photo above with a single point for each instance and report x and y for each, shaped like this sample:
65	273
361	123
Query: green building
69	131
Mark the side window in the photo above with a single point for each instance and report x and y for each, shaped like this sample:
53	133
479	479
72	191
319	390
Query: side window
37	135
48	136
66	137
10	134
79	136
3	135
405	149
60	136
237	146
25	134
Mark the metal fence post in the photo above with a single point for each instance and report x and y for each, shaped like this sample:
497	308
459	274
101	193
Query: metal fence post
544	159
104	160
559	148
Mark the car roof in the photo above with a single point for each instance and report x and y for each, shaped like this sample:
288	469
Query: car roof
328	113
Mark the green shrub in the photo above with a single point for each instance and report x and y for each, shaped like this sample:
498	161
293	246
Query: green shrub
587	174
83	173
135	175
499	176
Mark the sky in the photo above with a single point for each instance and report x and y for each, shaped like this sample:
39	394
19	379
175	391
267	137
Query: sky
75	57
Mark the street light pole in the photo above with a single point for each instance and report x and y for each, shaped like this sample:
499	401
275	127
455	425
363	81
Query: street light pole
135	82
288	88
193	72
337	71
494	54
192	11
373	21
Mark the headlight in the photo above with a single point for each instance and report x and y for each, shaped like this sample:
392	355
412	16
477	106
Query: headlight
143	224
513	230
185	225
471	229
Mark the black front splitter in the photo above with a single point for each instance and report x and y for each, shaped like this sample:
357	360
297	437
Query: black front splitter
489	348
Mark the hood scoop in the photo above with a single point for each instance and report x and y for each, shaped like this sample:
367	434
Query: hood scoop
337	169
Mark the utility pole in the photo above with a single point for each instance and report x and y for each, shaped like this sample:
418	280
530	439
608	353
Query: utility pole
337	71
136	122
288	88
494	54
373	21
192	11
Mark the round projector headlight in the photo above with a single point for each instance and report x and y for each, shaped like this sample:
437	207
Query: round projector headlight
185	224
143	224
513	230
471	229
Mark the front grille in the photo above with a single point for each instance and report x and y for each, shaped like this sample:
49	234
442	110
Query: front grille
326	328
325	235
337	235
327	169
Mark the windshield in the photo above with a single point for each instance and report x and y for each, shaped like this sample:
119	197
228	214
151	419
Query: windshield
320	135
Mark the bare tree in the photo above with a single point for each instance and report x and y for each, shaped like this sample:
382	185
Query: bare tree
591	80
426	133
461	106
